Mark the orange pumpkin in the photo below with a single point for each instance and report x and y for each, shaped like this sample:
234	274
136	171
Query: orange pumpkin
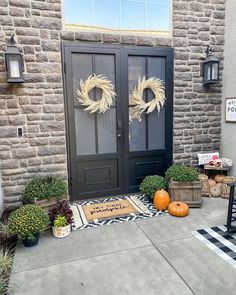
161	200
219	177
178	209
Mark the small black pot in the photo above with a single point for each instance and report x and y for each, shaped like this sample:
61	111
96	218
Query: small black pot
31	242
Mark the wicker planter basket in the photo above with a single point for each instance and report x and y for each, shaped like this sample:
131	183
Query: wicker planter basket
225	188
205	185
187	192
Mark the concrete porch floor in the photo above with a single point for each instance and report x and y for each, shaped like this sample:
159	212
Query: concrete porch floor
157	255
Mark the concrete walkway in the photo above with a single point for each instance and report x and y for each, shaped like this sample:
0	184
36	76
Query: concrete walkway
158	255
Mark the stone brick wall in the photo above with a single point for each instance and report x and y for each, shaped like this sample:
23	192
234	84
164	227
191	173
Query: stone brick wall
38	105
197	111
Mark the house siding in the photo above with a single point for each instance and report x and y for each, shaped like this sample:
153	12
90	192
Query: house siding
38	104
228	139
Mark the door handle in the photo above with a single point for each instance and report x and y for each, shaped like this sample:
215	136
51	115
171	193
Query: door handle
119	135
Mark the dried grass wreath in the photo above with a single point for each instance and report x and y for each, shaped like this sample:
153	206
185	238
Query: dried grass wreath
96	81
154	84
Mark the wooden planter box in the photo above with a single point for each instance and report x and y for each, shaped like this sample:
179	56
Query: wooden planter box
187	192
48	204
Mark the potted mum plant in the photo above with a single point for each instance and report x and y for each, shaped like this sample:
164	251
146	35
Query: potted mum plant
45	191
151	184
184	185
27	222
60	219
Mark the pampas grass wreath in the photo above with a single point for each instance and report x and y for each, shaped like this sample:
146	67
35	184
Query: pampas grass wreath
96	81
154	84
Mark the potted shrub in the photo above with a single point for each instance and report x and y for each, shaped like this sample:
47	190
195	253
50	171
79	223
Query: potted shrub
151	184
27	222
45	191
184	185
61	218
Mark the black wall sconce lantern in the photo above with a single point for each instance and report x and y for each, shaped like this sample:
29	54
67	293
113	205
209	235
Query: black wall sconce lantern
14	63
211	66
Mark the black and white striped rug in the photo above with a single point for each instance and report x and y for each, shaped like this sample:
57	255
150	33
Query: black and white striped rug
147	210
220	241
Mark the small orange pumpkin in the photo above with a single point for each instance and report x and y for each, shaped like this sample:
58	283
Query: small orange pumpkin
161	200
219	178
178	209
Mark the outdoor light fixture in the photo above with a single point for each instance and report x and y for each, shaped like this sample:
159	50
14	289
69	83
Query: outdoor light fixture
210	68
14	63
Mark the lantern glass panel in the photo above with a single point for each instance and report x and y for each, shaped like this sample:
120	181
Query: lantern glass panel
215	67
207	72
14	66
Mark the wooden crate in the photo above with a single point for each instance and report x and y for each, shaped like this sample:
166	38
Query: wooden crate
187	192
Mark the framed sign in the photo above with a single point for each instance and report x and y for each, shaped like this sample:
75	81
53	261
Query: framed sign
230	109
207	157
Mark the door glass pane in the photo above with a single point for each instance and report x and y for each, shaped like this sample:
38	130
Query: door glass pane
137	135
104	64
107	132
82	69
137	129
156	121
156	130
148	131
95	133
85	133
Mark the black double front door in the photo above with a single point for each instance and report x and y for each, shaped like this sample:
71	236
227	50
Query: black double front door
109	154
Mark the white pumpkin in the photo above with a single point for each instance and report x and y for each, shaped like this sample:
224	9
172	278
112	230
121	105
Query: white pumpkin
215	191
211	182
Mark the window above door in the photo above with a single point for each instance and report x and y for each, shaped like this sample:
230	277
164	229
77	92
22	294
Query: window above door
144	17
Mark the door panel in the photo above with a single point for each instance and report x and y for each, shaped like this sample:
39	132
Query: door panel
94	149
108	154
149	152
97	175
141	166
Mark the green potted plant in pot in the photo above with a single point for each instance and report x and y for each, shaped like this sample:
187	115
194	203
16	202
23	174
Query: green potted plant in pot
151	184
184	185
61	218
27	222
45	191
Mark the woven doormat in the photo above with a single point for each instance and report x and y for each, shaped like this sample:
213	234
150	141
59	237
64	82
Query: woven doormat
221	242
111	210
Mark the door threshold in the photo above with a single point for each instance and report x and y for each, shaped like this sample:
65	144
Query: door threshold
108	196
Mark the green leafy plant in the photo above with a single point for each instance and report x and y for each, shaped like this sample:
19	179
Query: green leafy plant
151	184
4	234
27	221
60	221
5	262
62	209
181	173
3	285
44	188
